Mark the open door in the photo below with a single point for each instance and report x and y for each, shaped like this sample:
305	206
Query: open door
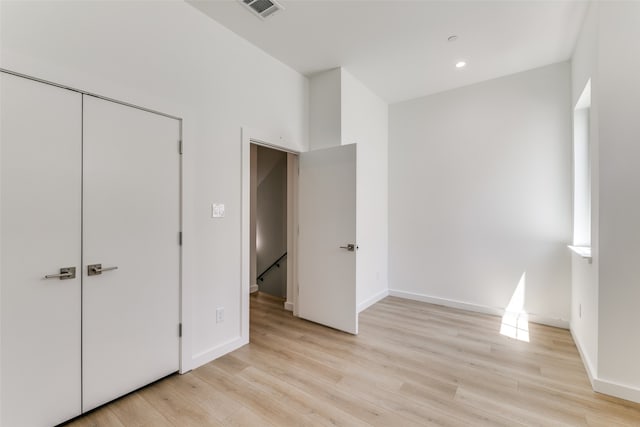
327	242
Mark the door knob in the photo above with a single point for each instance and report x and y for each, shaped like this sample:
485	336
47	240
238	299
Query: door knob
65	274
97	269
350	247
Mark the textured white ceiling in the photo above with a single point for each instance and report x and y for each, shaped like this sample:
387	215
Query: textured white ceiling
399	49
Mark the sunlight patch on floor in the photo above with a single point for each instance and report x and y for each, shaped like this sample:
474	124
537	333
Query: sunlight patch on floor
515	321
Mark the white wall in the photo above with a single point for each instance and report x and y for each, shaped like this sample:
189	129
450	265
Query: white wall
170	57
343	111
325	109
619	234
584	278
480	192
606	333
365	119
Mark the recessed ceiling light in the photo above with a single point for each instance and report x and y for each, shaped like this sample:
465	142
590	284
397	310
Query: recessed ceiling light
452	38
460	64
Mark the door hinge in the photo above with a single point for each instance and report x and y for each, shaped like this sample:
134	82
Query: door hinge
180	330
180	147
180	238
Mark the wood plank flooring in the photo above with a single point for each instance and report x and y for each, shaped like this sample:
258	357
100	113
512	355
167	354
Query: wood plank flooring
413	364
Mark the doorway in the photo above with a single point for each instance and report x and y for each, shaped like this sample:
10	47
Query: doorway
321	233
269	220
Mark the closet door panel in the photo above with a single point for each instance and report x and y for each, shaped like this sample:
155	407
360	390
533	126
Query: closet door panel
131	221
40	226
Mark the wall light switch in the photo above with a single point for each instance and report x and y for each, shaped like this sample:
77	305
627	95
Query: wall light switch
217	210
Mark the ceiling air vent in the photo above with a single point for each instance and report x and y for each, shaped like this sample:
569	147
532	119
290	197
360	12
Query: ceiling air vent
263	8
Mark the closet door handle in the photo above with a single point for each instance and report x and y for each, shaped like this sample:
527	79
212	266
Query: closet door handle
65	273
96	269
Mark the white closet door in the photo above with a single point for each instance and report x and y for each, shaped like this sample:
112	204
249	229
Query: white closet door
131	206
40	199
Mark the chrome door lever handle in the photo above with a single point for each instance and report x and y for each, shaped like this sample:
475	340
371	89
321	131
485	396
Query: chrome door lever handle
97	269
350	247
65	273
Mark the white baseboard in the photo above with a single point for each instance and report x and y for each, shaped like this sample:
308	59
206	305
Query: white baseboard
618	390
598	384
586	361
288	306
549	321
495	311
372	300
253	289
211	354
604	386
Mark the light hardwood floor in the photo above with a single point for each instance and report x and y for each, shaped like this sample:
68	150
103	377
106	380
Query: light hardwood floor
413	364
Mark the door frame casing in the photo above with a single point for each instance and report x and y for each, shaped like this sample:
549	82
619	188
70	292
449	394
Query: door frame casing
291	304
251	136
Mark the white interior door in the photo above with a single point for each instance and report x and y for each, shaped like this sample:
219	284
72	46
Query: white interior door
40	199
131	202
327	221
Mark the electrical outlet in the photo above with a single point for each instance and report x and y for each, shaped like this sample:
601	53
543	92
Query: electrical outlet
219	314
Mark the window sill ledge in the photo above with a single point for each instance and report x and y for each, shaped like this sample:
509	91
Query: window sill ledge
583	251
